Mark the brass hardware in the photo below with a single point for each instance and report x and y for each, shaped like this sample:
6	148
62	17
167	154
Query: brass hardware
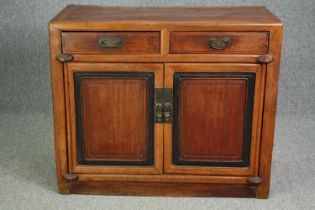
110	42
167	113
168	105
163	98
158	103
265	59
255	181
219	44
64	58
158	113
70	177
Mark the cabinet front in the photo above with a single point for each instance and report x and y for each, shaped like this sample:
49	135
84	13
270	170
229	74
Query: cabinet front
216	114
111	118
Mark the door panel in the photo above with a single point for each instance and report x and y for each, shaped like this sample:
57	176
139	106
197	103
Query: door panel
214	127
112	121
116	124
209	118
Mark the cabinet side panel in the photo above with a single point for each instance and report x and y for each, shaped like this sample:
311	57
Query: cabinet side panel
60	131
269	112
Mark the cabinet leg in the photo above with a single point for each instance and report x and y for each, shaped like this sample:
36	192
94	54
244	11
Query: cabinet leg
262	191
64	188
64	191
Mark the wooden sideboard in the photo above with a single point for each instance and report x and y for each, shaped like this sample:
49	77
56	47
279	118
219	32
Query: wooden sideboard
164	101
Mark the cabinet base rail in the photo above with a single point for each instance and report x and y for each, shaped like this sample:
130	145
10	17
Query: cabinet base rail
161	189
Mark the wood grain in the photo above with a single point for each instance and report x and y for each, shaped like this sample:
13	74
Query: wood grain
115	118
219	15
212	113
60	127
167	58
165	189
131	42
269	113
198	42
169	167
163	178
158	140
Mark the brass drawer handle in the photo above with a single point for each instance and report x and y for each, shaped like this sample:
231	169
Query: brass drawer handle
219	44
110	42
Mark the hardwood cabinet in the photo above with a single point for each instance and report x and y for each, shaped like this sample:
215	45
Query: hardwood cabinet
164	101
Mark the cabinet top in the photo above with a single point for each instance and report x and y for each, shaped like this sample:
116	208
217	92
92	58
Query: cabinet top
245	15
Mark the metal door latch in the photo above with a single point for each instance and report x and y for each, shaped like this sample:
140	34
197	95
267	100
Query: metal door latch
163	101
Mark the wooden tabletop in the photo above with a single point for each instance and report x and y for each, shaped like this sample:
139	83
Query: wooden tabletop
216	15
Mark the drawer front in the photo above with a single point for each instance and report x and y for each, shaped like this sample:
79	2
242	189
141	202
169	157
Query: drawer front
111	42
219	42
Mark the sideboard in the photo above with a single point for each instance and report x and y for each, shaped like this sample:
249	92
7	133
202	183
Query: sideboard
164	101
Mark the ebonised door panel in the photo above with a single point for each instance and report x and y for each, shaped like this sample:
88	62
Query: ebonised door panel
112	118
215	118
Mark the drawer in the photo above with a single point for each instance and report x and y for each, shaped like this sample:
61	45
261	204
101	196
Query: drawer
219	42
111	42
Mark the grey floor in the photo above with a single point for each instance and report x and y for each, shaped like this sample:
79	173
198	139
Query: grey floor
27	171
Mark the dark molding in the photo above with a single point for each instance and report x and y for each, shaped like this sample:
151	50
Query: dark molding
250	77
149	76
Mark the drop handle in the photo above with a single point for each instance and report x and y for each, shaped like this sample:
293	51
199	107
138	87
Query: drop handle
110	42
219	43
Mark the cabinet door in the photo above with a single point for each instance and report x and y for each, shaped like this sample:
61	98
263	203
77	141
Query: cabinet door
111	118
216	118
